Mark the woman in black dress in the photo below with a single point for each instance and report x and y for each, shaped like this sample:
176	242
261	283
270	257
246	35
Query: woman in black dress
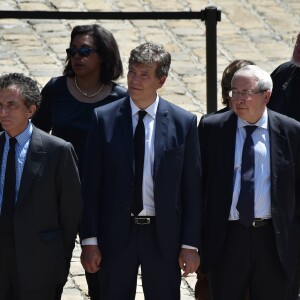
92	63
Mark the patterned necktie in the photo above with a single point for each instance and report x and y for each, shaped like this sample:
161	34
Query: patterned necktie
139	152
245	204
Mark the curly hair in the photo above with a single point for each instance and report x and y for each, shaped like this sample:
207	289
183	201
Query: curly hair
27	87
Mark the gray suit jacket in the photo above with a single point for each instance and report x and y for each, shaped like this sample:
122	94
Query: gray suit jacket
47	211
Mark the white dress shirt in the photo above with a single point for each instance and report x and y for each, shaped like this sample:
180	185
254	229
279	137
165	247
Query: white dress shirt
262	171
149	123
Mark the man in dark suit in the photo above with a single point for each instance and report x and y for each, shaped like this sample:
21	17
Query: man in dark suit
251	228
161	236
202	284
285	100
286	90
39	198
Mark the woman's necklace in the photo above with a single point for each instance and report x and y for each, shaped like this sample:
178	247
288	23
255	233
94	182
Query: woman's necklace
85	94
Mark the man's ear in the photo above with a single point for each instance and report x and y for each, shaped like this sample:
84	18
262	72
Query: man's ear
267	96
162	81
31	111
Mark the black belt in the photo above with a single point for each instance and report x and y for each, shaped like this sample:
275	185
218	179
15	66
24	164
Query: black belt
145	220
256	223
261	222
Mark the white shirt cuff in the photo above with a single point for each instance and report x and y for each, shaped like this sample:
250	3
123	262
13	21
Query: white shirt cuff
89	241
189	247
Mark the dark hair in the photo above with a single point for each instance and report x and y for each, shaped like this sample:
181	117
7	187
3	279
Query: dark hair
149	53
27	87
227	77
111	68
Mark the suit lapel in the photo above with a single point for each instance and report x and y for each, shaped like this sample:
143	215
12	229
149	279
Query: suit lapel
277	142
126	128
228	138
161	130
2	142
34	158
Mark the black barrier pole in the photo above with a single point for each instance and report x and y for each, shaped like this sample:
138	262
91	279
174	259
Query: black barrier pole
98	15
211	15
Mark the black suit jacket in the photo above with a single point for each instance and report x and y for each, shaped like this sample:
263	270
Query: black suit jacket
47	211
286	90
217	141
108	183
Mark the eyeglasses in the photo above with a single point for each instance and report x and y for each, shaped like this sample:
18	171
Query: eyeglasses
82	52
296	41
245	94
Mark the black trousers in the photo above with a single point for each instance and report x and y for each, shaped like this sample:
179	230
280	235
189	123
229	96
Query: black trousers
161	276
10	288
93	283
294	294
249	259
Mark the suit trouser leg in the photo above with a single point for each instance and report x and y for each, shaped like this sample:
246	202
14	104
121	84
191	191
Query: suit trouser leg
249	259
160	277
294	293
125	265
92	280
8	273
9	280
202	286
42	294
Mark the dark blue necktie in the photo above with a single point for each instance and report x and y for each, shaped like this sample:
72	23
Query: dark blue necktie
139	152
245	204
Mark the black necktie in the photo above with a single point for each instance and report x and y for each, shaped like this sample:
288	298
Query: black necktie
245	204
8	197
139	152
9	189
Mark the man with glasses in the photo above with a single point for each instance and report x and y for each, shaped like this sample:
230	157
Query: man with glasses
40	203
285	99
251	183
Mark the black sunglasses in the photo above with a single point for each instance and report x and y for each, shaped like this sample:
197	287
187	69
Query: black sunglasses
82	52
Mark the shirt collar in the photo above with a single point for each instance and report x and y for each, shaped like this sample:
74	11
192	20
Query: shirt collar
151	109
262	122
24	136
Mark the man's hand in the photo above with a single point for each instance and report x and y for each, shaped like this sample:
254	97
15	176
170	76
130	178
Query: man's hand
189	261
91	258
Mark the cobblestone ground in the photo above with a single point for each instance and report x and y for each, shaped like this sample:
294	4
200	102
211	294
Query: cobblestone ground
259	30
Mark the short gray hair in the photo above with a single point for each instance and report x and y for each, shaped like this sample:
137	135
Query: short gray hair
264	80
149	53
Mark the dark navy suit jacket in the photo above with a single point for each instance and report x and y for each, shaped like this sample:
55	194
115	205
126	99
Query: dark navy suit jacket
109	178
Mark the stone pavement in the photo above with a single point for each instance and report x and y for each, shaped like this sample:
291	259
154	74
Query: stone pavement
259	30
